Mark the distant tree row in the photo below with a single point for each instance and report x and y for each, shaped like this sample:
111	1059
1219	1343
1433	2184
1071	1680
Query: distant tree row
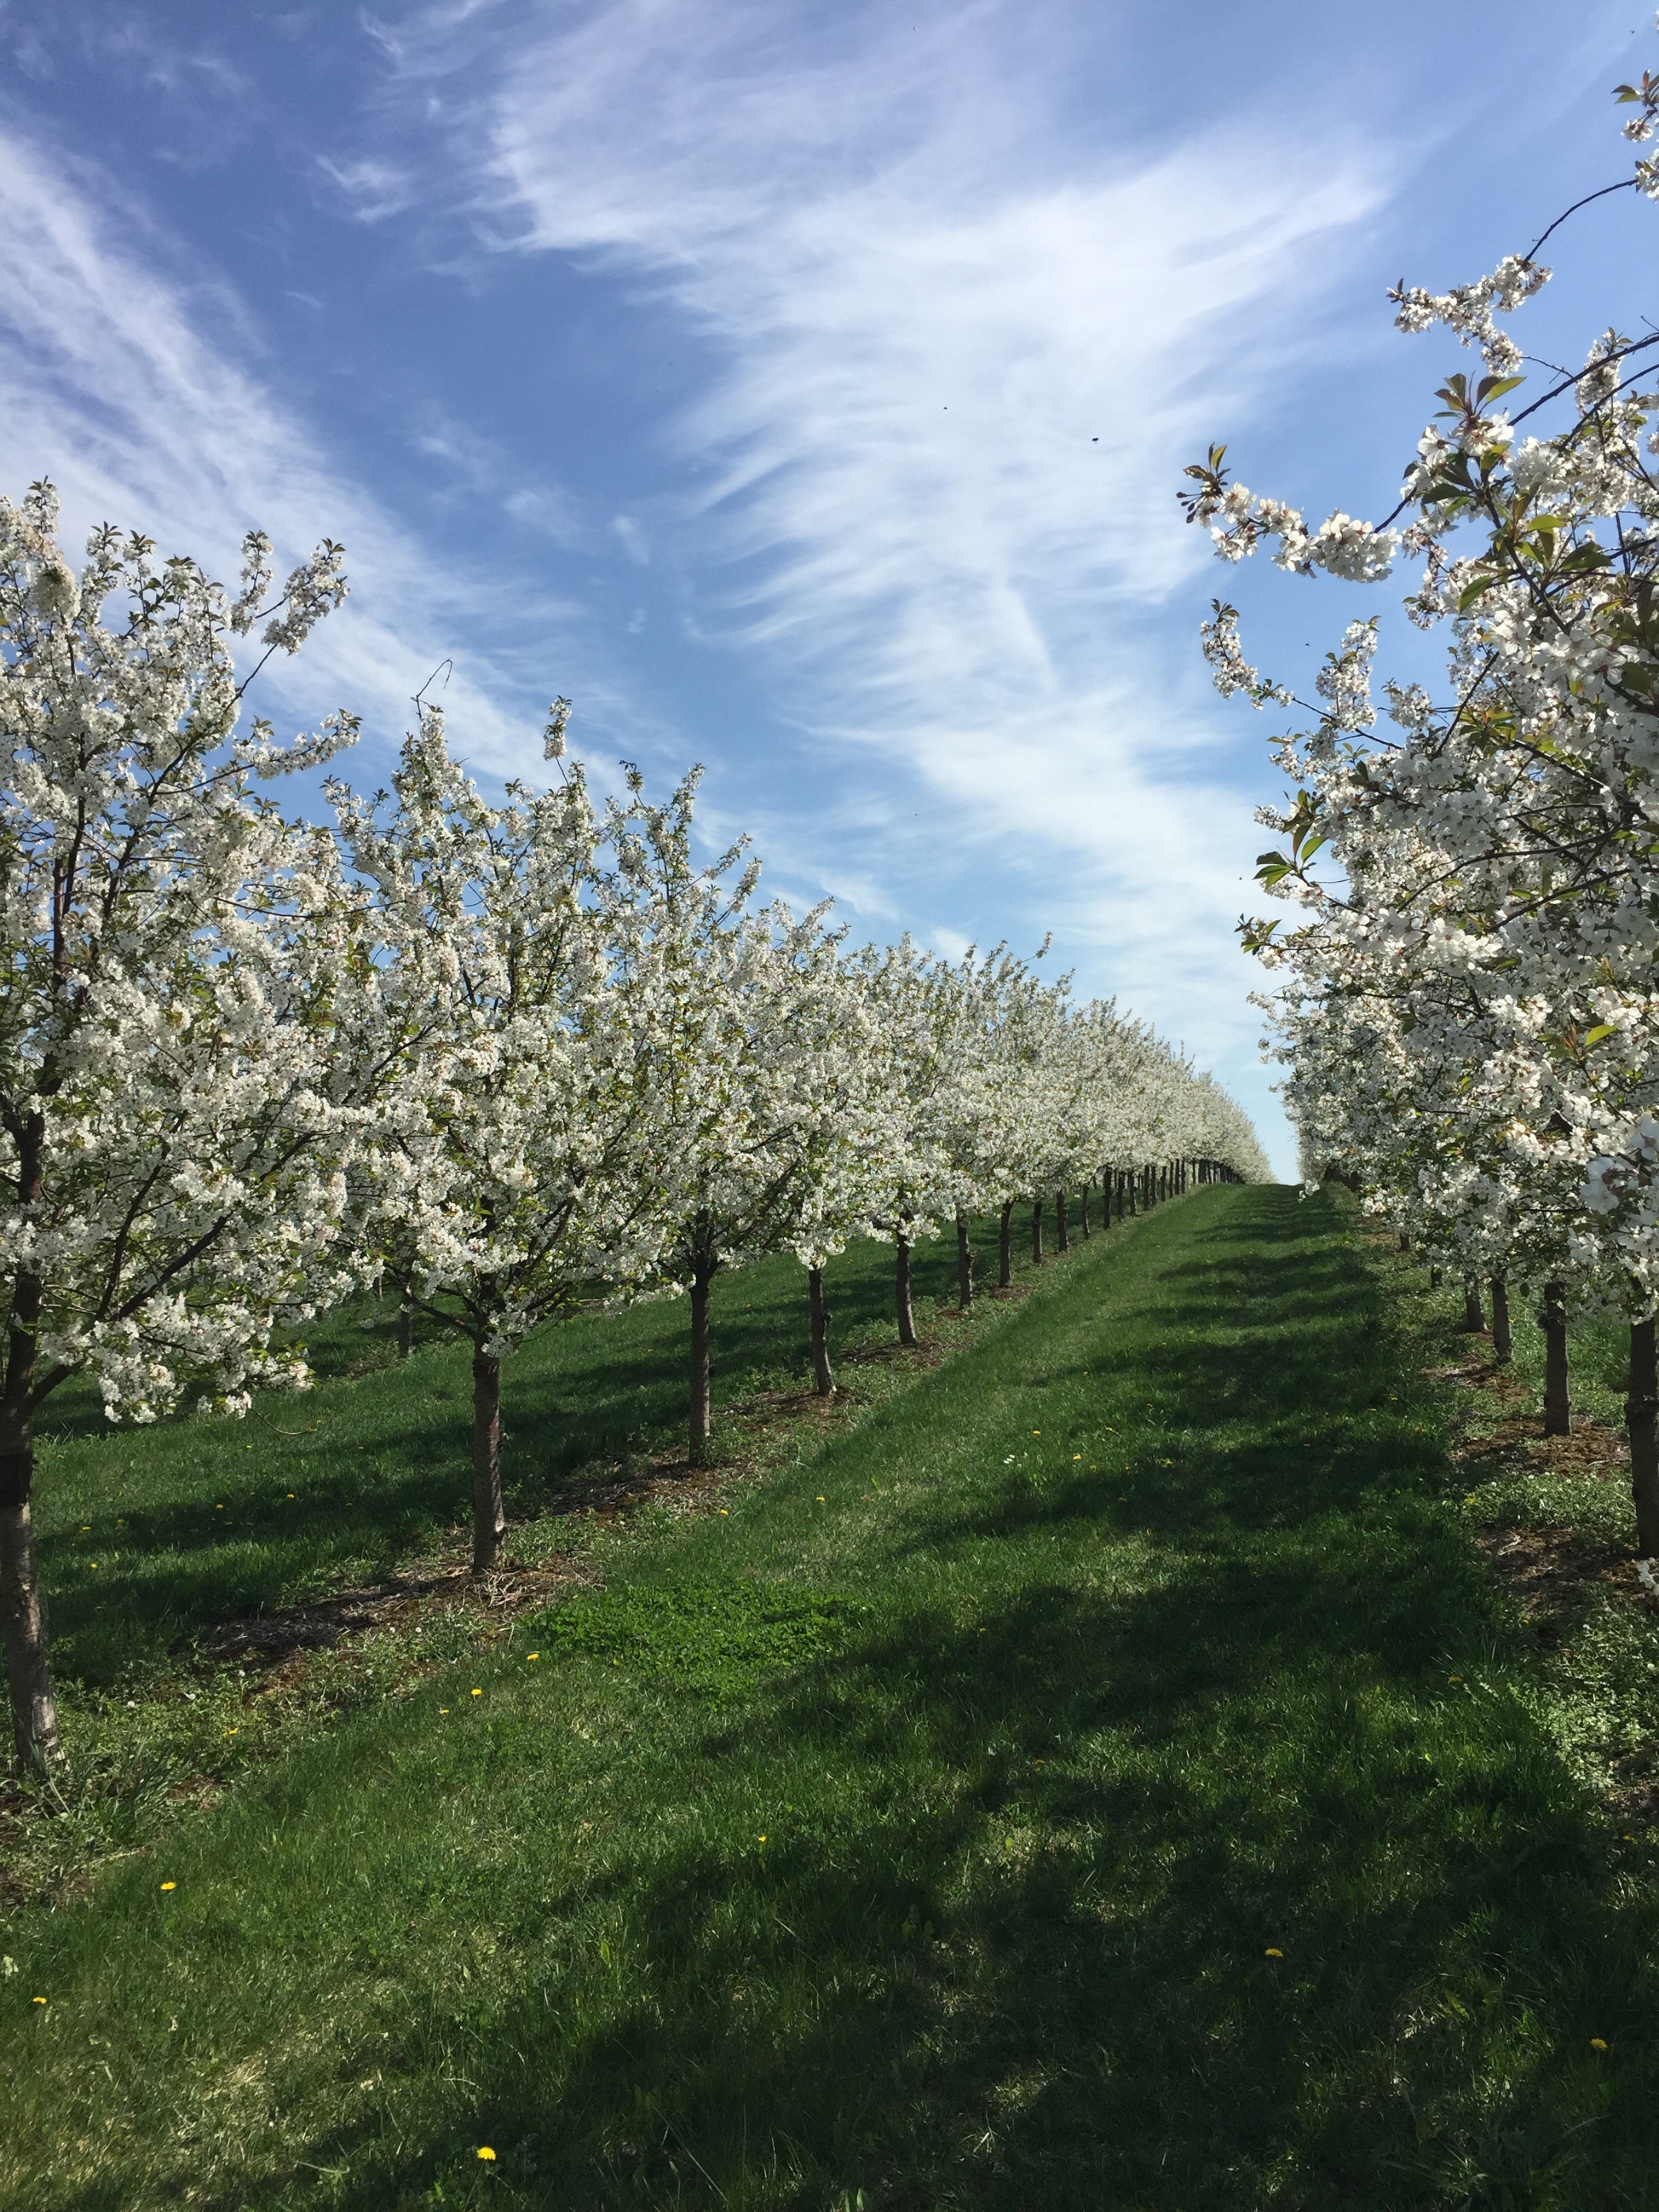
506	1058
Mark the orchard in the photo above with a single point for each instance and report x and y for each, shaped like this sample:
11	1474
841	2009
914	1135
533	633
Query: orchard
651	1556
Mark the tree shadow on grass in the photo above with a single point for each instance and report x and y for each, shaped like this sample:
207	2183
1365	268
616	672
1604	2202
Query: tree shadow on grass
1212	1891
379	1465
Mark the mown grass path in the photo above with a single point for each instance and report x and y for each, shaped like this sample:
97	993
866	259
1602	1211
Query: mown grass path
1094	1780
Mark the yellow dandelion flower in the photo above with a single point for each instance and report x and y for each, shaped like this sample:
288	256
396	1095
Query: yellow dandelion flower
485	2152
36	2001
1270	1953
477	1693
535	1654
760	1840
1598	2042
1077	1454
169	1884
443	1708
723	1509
820	1501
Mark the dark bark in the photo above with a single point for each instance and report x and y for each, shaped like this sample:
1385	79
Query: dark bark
1405	1242
1501	1340
1434	1279
1475	1322
1558	1409
1006	1247
489	1520
906	1319
1037	1233
964	1264
703	1274
1082	1208
824	1381
22	1607
1642	1425
406	1324
1062	1226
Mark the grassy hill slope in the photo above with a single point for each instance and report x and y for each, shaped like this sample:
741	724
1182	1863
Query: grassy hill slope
1093	1778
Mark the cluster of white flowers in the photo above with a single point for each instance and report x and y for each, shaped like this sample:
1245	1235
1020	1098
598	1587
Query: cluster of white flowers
1469	1014
506	1057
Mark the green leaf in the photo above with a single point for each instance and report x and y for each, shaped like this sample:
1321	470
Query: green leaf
1471	592
1601	1030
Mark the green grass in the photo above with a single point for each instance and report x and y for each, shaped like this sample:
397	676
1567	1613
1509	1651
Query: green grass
1100	1776
150	1539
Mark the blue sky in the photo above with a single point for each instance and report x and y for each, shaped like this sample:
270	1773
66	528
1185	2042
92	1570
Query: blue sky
802	390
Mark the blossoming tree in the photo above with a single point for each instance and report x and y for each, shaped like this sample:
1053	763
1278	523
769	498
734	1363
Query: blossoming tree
191	1023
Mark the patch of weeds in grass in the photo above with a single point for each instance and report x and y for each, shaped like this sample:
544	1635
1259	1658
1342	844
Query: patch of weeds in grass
1600	1695
1601	1512
1555	1519
719	1639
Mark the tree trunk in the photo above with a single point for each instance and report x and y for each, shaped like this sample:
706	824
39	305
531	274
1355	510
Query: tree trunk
906	1319
1037	1233
1006	1247
703	1274
22	1607
1405	1242
824	1381
489	1520
1641	1410
1434	1279
1500	1319
406	1324
1558	1411
1062	1237
1082	1204
1475	1322
964	1265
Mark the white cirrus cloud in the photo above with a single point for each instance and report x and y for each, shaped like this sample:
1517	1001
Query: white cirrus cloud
962	355
131	391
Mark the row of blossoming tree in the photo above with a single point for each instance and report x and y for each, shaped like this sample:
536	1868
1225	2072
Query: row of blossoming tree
1468	1008
506	1057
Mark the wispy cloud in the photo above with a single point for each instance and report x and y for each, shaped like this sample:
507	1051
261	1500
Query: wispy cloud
132	390
964	352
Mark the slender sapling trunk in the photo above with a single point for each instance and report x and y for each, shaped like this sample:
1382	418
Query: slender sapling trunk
33	1715
1642	1425
488	1519
1501	1339
964	1264
824	1381
1558	1410
1005	1246
703	1274
1037	1234
406	1324
906	1319
1083	1206
1475	1322
22	1607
